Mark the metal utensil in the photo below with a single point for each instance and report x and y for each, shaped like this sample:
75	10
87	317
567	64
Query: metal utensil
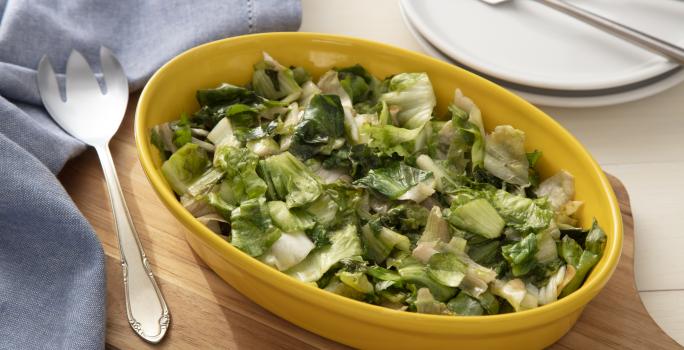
93	117
646	41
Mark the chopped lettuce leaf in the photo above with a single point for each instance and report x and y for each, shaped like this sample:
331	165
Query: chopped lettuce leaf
251	228
596	239
412	96
378	242
356	280
289	179
426	304
520	213
477	216
505	155
395	180
447	269
287	220
436	227
289	250
320	129
274	81
344	243
559	189
412	271
465	305
184	166
240	164
521	255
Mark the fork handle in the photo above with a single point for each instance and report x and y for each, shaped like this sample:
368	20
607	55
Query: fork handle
674	53
147	312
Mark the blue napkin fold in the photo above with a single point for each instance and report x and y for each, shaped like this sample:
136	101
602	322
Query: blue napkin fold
52	280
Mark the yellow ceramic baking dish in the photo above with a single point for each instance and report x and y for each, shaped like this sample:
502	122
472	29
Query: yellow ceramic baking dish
172	90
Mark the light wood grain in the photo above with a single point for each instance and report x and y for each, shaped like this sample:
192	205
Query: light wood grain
209	314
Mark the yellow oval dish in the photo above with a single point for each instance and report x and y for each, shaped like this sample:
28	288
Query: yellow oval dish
172	90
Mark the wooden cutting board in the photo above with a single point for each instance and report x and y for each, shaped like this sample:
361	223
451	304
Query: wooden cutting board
207	313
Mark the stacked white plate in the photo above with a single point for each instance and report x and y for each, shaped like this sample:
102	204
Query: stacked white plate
548	57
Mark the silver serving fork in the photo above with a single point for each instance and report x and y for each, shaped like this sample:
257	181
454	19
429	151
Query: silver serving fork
646	41
94	117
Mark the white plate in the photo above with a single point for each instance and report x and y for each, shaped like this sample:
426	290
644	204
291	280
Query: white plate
527	43
547	99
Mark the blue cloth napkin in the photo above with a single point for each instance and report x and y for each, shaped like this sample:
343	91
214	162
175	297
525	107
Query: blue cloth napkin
52	280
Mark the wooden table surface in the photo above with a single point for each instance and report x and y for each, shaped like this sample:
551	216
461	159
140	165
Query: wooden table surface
206	313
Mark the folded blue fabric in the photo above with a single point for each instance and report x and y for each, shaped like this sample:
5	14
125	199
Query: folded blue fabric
52	288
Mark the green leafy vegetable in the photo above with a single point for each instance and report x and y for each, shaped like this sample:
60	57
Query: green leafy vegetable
596	239
321	129
412	271
477	216
183	167
582	260
558	189
521	255
426	304
289	179
523	214
396	180
289	221
359	84
252	229
289	250
447	269
356	280
182	134
349	184
274	81
412	96
505	155
344	243
378	242
465	305
240	164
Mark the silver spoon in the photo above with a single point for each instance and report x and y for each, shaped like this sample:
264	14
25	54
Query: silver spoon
646	41
94	117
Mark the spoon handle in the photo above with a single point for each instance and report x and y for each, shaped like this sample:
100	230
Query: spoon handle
147	312
646	41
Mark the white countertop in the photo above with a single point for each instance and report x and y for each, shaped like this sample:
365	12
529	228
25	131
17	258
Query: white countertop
641	142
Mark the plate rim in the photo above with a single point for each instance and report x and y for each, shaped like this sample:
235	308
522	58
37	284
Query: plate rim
655	69
600	100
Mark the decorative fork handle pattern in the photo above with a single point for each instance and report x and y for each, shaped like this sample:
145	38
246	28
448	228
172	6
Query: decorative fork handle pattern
147	312
674	53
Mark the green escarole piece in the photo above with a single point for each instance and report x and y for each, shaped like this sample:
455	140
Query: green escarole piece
289	220
397	181
321	129
412	95
344	243
252	230
582	260
239	165
505	155
477	216
274	81
412	271
378	242
447	269
289	180
465	305
185	166
521	213
521	255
